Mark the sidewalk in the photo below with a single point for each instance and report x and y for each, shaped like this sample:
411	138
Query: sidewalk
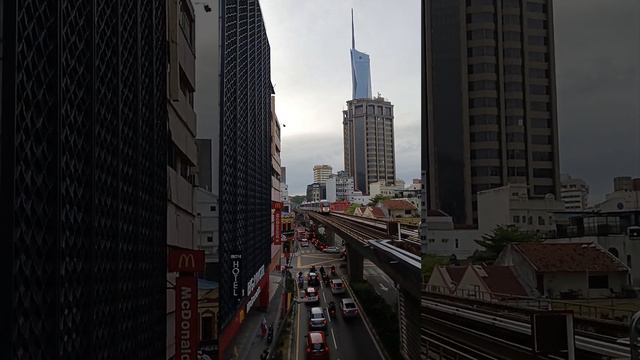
248	342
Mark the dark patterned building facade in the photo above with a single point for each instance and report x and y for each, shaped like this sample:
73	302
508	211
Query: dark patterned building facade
83	190
245	169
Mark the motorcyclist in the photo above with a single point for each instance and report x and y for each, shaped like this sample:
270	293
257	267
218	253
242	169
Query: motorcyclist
313	268
332	308
333	269
322	270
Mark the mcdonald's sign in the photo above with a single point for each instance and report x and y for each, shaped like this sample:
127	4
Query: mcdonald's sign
185	260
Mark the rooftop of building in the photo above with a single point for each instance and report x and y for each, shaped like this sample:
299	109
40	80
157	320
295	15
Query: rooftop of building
398	204
569	257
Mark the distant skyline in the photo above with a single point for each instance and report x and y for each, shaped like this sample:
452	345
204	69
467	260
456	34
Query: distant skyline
311	72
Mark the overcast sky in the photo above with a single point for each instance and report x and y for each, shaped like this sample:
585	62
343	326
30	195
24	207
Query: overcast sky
598	81
310	68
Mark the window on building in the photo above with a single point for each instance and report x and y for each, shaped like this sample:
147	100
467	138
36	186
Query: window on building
186	88
484	136
516	154
511	4
513	103
536	24
482	85
481	17
511	19
537	40
432	240
542	156
479	2
613	251
485	171
543	189
536	7
538	90
515	137
482	68
485	154
538	73
629	260
457	243
481	51
538	123
513	86
540	106
484	102
512	53
484	119
541	139
540	220
598	281
512	69
542	173
212	208
516	219
514	120
209	239
538	56
444	241
511	36
186	23
517	171
481	34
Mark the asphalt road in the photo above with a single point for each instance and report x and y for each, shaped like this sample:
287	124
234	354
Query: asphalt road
347	339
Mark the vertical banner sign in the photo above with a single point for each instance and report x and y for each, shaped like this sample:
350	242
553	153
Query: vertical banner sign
186	318
277	233
236	276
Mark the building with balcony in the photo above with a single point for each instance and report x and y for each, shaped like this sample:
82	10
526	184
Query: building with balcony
386	188
489	100
573	193
339	186
316	192
321	173
182	150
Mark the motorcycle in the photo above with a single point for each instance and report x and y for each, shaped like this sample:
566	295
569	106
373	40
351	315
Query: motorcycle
333	271
332	309
300	283
270	334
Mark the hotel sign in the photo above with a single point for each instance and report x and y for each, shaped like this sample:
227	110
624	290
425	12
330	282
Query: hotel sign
236	276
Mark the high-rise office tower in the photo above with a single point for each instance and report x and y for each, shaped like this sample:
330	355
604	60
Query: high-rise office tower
360	69
321	173
490	114
368	142
245	166
83	180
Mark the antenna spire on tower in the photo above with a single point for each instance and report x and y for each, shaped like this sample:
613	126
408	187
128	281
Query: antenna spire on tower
353	36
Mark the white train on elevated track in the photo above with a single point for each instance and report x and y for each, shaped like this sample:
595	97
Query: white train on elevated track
321	206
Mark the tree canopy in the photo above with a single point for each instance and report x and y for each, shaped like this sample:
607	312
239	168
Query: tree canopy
497	240
352	208
376	199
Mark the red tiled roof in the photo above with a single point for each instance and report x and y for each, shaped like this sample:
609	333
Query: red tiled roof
569	257
456	272
502	280
398	204
377	212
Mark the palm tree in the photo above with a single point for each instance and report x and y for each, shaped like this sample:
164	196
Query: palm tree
502	236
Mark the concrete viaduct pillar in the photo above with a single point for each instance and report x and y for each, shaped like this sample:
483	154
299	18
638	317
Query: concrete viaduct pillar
409	318
355	263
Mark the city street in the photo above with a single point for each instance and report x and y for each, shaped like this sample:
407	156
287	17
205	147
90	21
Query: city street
346	339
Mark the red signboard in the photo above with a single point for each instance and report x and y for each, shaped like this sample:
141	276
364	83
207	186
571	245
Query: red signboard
276	205
277	231
185	260
186	318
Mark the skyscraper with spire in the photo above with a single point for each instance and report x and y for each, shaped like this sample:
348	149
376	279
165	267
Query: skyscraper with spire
360	69
368	128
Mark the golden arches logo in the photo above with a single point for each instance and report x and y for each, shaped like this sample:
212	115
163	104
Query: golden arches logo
186	261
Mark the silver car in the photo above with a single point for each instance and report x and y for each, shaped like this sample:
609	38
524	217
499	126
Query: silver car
317	321
331	250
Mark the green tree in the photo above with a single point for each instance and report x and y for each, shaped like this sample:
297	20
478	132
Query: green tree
352	208
496	241
376	199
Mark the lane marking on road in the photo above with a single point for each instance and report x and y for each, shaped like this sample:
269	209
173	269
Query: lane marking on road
384	288
325	298
373	339
333	336
298	332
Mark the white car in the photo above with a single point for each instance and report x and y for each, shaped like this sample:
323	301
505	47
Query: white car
304	243
331	250
337	286
312	296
